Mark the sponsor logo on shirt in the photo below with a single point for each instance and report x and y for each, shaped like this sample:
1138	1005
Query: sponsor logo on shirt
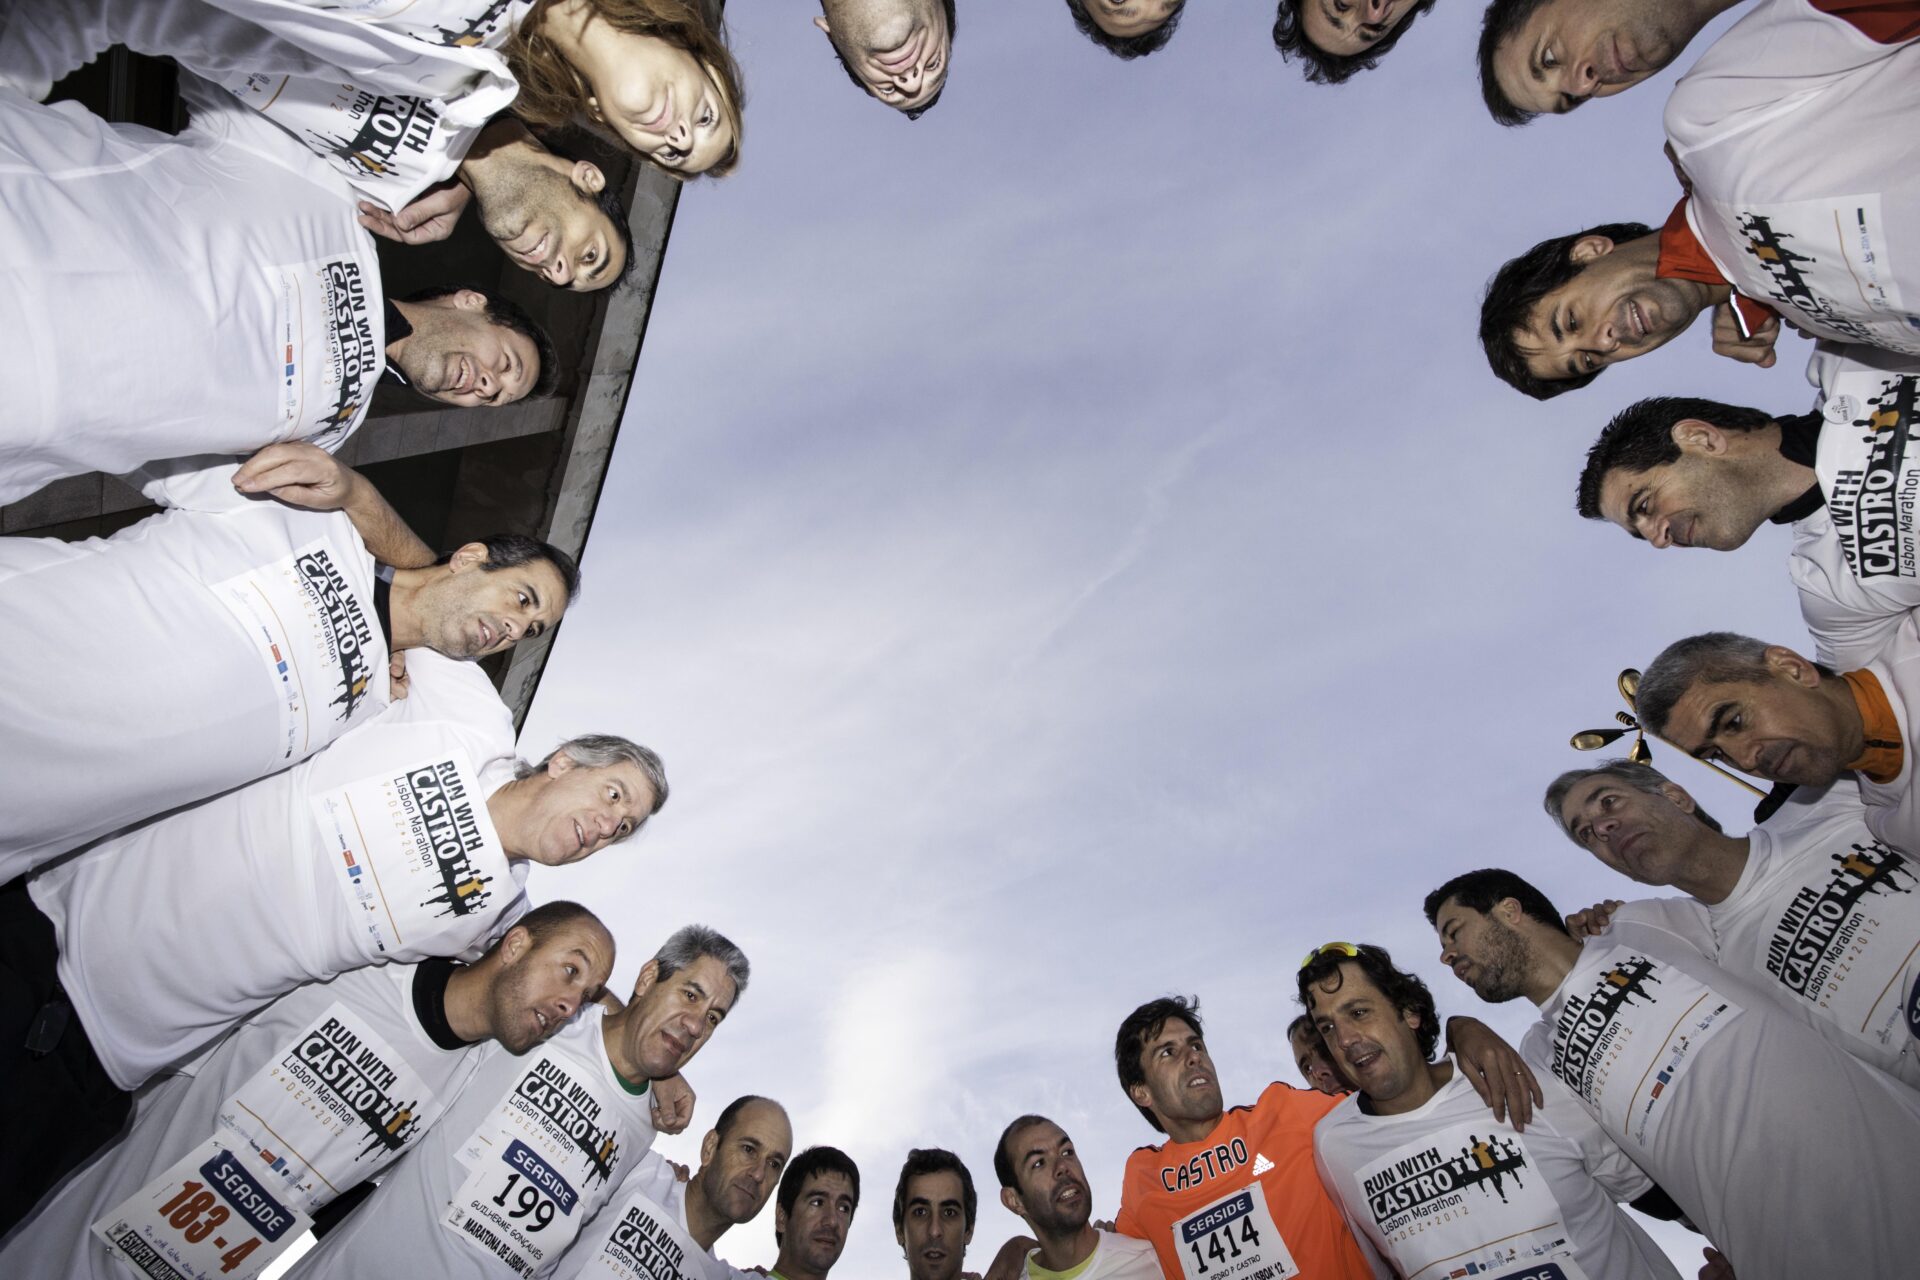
452	831
475	30
1427	1182
358	1084
1872	505
356	359
1585	1027
385	132
1786	268
644	1246
347	632
573	1109
1820	922
1214	1162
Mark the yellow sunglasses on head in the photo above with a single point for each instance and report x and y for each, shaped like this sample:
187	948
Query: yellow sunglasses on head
1346	949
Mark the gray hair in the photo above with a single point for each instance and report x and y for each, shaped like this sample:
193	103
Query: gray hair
603	751
697	942
1714	657
1641	777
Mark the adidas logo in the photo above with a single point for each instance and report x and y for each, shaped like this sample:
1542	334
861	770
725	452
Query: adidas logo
1260	1164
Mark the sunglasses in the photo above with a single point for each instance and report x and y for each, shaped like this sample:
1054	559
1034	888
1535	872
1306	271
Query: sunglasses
1346	949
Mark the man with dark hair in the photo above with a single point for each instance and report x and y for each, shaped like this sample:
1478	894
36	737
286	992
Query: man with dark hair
896	51
1701	1083
1127	28
563	1128
1397	1155
1316	1064
248	311
1808	905
1558	314
277	1084
1042	1183
1679	472
1549	56
551	214
1240	1183
818	1195
661	1216
934	1207
247	634
1335	40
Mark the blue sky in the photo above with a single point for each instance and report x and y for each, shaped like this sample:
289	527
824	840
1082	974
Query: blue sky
1069	549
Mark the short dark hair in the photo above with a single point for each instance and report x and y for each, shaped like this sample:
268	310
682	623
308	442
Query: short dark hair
510	550
1321	67
930	103
1405	990
1640	438
723	1125
1003	1158
547	919
1125	46
1302	1023
1481	890
508	315
1141	1026
1641	777
1504	18
1518	285
814	1160
608	200
924	1160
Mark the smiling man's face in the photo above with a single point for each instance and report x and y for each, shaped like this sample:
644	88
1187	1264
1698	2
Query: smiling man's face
1568	51
1614	309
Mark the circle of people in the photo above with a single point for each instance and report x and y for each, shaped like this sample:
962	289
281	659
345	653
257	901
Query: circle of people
267	942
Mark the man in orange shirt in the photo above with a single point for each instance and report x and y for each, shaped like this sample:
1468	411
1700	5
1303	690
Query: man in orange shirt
1234	1195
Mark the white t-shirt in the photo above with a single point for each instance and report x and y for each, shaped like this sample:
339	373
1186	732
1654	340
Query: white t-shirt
317	1092
1446	1183
389	96
1826	920
1115	1257
1783	1150
527	1154
642	1234
378	850
1856	560
204	647
173	296
1796	130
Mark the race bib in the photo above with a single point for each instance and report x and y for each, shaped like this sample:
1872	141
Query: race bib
1870	474
414	853
324	339
1825	261
1625	1043
539	1167
648	1243
1471	1196
315	640
1233	1236
212	1216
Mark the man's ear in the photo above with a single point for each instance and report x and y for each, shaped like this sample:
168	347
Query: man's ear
517	942
709	1147
1587	248
1783	661
586	176
471	556
1141	1095
561	763
470	300
1678	797
649	974
1700	438
821	22
1010	1201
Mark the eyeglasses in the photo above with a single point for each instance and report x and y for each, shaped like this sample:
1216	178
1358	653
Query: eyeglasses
1346	949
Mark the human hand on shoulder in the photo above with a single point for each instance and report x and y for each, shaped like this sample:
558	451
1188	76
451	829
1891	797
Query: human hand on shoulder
432	216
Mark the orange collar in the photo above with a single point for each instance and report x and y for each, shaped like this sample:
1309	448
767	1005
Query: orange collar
1884	752
1683	258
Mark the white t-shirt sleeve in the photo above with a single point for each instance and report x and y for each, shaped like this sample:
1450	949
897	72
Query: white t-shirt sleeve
1611	1167
203	482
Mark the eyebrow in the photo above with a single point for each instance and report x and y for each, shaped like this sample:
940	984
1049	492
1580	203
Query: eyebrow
1720	714
599	267
1633	500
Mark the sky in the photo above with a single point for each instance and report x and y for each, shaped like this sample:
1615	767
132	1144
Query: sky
1069	550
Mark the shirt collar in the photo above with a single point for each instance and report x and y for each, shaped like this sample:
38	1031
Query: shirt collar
1683	258
430	979
1882	754
1800	442
383	600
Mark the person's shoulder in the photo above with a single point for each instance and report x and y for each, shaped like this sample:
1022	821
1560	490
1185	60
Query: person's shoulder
1122	1258
1292	1100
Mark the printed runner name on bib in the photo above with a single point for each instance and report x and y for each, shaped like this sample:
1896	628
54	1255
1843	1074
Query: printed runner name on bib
1233	1237
648	1244
212	1216
1841	943
1626	1040
314	638
1470	1196
540	1166
414	851
1873	480
1821	259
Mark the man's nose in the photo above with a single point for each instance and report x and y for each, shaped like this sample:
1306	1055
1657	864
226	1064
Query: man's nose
1375	11
560	271
1659	535
909	80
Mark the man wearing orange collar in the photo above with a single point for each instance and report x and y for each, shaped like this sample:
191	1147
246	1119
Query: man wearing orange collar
1769	712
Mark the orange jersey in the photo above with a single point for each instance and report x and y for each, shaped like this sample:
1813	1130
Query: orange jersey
1245	1202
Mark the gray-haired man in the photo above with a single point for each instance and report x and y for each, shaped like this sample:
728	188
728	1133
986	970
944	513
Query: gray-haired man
536	1146
1808	905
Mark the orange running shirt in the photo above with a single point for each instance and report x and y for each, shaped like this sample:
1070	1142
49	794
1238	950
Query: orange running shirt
1243	1203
